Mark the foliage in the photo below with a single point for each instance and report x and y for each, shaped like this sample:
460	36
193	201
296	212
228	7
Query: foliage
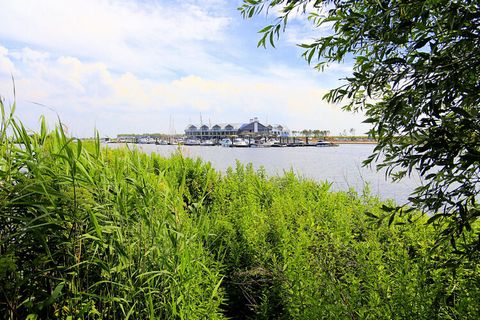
295	250
88	232
415	74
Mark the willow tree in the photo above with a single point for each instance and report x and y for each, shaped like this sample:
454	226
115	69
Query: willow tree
416	77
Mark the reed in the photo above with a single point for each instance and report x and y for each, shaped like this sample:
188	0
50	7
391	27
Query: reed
87	232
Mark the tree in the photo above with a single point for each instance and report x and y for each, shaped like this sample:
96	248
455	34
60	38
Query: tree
416	77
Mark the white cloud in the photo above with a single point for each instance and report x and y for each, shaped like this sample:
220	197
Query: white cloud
90	94
344	68
129	66
299	28
6	65
151	37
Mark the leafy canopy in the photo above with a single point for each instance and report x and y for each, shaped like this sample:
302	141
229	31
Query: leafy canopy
416	77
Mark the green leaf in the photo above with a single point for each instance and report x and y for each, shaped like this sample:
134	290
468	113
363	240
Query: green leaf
371	215
369	120
388	208
310	55
271	40
267	28
395	60
392	218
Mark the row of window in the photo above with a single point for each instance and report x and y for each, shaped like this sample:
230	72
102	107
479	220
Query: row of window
227	128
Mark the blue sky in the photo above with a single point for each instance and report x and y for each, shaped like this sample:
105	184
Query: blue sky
130	66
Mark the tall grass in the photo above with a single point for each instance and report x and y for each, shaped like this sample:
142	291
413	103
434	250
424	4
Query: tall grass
92	233
87	232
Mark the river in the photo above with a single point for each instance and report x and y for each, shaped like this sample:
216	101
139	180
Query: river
342	166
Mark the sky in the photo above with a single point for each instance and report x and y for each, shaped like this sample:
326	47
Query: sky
138	66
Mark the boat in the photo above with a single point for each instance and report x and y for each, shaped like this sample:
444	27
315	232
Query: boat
147	140
322	143
265	144
226	142
278	145
296	143
207	143
240	143
191	142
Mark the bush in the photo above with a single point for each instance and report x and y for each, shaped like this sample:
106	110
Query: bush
87	232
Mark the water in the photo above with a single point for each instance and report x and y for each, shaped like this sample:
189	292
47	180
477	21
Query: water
342	166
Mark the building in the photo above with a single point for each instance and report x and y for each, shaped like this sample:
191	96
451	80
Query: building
253	128
278	130
216	131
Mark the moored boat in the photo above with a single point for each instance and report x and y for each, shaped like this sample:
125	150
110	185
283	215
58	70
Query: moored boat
240	143
207	143
322	143
191	142
226	142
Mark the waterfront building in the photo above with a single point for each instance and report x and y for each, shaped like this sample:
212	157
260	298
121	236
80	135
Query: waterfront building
278	130
216	131
221	130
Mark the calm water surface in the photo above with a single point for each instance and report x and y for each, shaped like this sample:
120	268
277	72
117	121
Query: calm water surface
342	166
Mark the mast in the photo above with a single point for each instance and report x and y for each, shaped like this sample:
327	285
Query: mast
201	125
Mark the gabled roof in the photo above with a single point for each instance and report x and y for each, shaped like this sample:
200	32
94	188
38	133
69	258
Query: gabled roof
235	126
276	127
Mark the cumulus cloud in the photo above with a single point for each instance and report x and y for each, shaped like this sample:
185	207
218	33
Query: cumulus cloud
131	66
149	37
6	65
300	28
90	94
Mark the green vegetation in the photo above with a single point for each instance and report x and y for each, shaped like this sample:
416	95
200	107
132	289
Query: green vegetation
415	75
92	233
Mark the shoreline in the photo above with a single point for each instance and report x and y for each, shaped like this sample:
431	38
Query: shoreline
309	145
